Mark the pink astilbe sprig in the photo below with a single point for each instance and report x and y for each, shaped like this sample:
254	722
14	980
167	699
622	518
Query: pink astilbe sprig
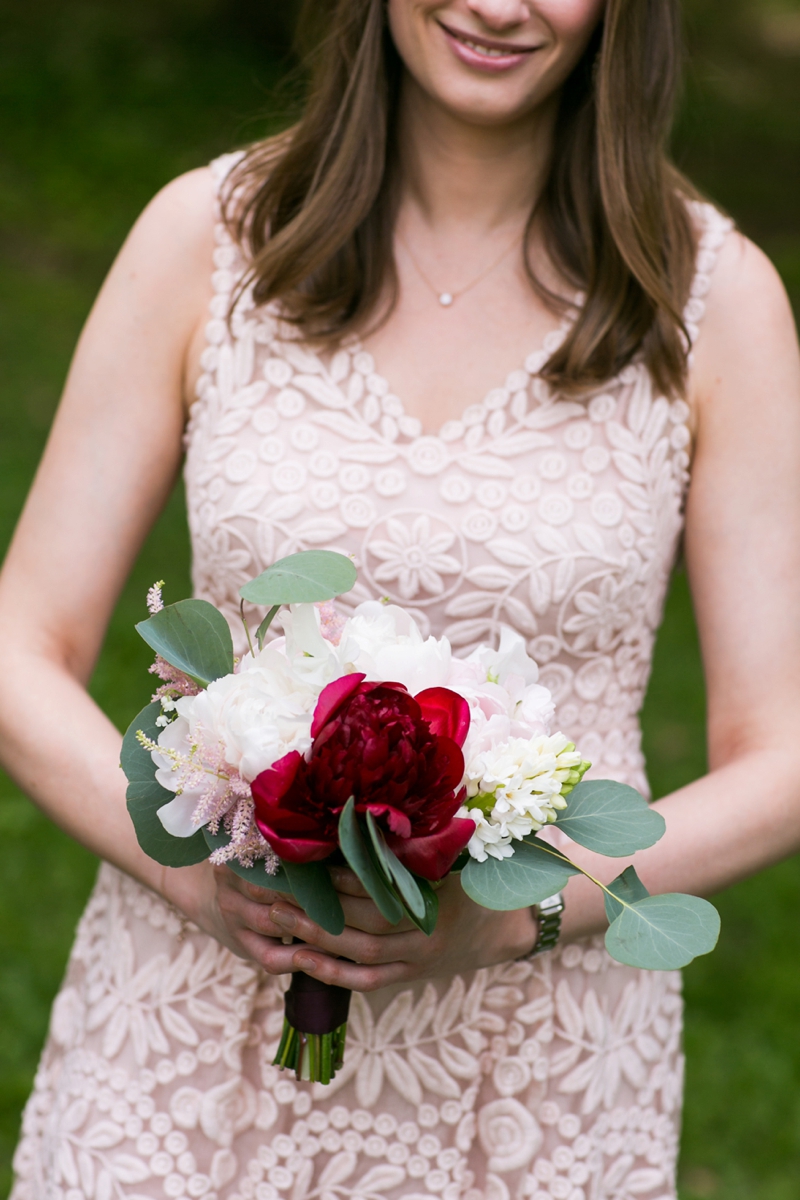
331	622
175	682
155	600
224	800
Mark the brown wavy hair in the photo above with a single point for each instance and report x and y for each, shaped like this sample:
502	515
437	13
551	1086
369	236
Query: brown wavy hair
316	206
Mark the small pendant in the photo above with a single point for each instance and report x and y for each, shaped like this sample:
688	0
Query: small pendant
446	299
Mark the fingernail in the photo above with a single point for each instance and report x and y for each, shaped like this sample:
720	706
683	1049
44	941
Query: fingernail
304	962
281	917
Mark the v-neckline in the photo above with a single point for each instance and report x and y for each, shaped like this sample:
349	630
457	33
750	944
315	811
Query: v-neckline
549	343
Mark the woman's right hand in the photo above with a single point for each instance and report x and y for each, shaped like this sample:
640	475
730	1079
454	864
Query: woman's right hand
232	911
237	914
370	953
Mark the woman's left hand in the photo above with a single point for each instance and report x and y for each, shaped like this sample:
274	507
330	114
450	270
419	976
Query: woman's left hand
372	954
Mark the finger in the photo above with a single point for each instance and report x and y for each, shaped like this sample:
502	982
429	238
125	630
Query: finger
259	895
271	955
239	912
346	974
347	882
363	914
354	944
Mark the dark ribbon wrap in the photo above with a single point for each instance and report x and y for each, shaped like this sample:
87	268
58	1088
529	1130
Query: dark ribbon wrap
315	1007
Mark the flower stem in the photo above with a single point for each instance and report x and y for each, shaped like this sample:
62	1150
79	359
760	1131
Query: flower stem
557	854
246	627
314	1057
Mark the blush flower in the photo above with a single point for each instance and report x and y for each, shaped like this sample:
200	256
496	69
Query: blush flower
398	755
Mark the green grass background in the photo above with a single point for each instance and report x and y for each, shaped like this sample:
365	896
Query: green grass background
101	103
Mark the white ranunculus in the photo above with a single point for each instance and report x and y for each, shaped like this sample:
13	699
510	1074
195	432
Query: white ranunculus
385	643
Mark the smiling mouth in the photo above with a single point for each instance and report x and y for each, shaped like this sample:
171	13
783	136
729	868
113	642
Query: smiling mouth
487	47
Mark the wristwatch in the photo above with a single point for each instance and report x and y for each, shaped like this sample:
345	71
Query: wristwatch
548	913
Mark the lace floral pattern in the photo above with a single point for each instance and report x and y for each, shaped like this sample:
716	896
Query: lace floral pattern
554	1079
560	1078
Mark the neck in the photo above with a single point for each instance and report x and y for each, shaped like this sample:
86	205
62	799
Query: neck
459	173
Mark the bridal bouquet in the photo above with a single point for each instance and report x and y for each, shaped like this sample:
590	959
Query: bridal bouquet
359	742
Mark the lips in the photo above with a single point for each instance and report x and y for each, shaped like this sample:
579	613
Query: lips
485	53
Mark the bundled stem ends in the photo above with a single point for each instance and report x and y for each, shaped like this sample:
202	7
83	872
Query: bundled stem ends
314	1029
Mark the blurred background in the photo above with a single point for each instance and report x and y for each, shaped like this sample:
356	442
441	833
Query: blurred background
102	102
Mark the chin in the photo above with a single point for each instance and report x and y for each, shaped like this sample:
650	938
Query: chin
490	103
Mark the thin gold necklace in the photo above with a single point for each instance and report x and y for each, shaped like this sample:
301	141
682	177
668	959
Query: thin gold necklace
446	299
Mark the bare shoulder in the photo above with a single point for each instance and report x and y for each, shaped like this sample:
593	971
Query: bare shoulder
158	290
748	333
175	232
745	285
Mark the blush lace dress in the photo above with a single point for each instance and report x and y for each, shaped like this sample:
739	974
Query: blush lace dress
558	1079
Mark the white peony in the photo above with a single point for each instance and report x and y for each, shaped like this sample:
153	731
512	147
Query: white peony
385	643
259	713
315	662
240	725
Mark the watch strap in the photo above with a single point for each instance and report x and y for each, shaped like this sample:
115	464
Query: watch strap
548	913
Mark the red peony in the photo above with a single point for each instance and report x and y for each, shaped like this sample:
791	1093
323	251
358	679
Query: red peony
398	755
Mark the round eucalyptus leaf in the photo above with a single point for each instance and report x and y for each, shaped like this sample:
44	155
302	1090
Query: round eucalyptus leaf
627	888
146	796
663	933
303	578
534	872
193	636
610	818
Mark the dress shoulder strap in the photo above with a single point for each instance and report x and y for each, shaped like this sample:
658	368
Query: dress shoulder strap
229	259
712	228
221	169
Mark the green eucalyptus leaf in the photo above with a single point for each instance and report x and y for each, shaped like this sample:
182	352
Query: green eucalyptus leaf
316	895
610	818
256	874
627	888
395	872
193	636
663	933
428	922
303	578
146	796
534	872
356	850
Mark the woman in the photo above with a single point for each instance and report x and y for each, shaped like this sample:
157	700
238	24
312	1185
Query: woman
477	187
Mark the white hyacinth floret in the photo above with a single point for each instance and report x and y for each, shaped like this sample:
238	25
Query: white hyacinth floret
516	788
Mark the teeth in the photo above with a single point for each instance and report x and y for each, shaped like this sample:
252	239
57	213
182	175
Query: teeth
489	53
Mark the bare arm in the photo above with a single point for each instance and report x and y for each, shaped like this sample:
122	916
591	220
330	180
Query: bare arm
743	556
109	465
